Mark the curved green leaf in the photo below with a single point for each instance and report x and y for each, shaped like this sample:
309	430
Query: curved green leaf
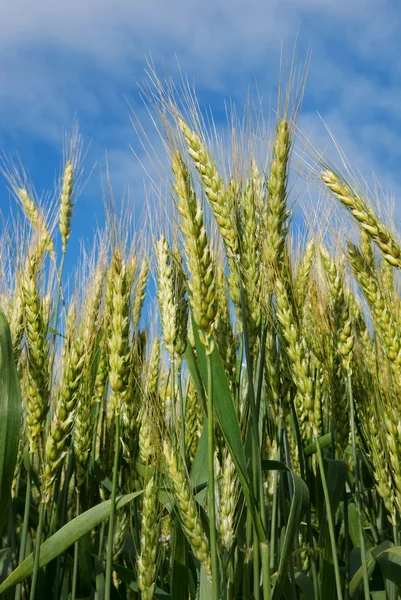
274	465
64	538
324	442
10	415
299	503
354	529
128	576
227	417
305	584
389	560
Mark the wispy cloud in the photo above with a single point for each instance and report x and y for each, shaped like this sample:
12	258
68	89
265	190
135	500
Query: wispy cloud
60	60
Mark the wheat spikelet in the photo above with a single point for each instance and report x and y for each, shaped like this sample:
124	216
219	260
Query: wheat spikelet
146	561
191	523
63	421
391	420
37	221
250	252
119	328
146	435
179	285
342	346
214	188
153	369
293	448
224	335
346	339
193	423
120	533
304	273
66	204
298	355
276	398
139	292
383	319
228	501
381	469
276	213
90	391
199	258
223	203
364	214
366	248
165	295
38	357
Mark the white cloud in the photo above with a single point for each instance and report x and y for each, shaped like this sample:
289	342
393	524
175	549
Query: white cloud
60	59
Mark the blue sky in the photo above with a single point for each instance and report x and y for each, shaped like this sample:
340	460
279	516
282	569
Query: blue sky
80	59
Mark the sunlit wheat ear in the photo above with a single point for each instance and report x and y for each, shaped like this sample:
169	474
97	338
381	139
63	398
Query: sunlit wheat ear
119	331
139	292
251	252
146	434
223	202
366	217
165	294
102	372
304	273
371	423
120	533
193	423
366	248
214	188
179	285
346	338
276	212
383	319
299	357
37	221
343	343
132	269
226	340
147	559
132	402
229	493
277	400
38	391
200	262
16	321
103	369
89	331
393	441
92	309
334	271
293	450
153	368
63	421
66	204
186	504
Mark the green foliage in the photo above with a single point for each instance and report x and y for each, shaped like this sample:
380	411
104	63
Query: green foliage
266	436
10	416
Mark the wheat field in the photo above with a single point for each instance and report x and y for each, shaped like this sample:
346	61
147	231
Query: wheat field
246	443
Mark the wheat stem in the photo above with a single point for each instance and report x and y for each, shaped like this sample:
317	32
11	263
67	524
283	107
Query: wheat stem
37	550
25	523
358	489
76	556
211	482
329	521
112	519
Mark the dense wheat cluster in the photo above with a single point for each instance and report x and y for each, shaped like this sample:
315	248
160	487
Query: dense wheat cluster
246	446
